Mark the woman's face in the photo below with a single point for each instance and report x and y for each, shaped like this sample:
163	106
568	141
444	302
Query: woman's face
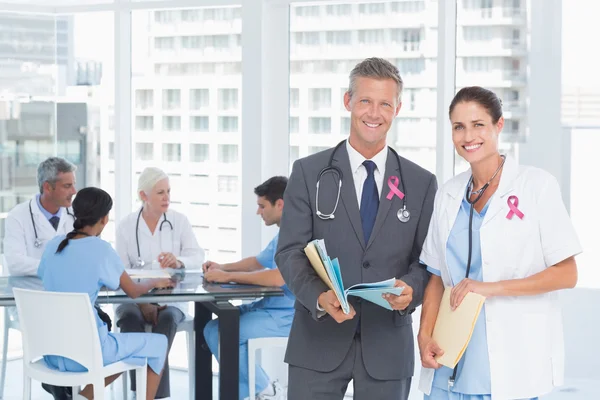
474	134
159	198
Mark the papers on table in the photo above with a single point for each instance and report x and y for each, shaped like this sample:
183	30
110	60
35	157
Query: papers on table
453	329
329	271
148	273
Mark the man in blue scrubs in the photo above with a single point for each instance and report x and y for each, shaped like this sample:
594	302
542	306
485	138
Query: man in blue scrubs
271	316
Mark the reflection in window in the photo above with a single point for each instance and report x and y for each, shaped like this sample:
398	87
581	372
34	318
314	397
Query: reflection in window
227	184
171	152
199	152
294	154
144	98
319	98
171	123
144	151
294	124
319	125
144	123
341	38
307	11
372	8
294	97
164	43
371	36
171	99
228	99
199	124
198	99
70	149
228	124
339	10
228	153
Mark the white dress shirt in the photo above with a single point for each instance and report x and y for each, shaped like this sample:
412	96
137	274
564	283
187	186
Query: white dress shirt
359	171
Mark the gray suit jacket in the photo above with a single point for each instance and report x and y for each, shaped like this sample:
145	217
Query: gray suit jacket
393	251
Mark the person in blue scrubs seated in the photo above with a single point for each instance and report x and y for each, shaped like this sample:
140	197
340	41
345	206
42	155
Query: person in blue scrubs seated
271	316
62	270
521	251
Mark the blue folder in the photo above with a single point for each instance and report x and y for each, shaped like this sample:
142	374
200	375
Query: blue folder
372	291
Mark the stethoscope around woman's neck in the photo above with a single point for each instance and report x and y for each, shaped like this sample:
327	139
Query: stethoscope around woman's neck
140	263
469	192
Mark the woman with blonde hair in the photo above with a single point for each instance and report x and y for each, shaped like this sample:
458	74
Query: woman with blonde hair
156	237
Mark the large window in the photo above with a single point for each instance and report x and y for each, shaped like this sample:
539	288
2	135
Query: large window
322	58
186	68
493	56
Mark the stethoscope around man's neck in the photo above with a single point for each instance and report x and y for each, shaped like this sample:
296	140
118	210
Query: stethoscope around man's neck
469	192
140	263
403	213
37	243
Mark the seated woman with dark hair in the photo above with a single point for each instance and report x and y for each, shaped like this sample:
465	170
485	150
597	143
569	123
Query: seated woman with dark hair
82	262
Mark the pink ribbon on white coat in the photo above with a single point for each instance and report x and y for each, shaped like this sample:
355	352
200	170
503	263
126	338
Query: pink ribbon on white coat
513	203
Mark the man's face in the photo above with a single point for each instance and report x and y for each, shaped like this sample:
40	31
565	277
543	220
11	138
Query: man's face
62	192
270	213
373	107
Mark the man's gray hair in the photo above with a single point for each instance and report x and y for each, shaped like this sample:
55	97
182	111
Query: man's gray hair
376	68
50	168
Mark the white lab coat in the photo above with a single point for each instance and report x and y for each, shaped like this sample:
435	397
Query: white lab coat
20	254
180	241
525	333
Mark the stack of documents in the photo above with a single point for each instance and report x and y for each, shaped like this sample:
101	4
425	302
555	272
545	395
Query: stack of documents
148	273
453	329
329	271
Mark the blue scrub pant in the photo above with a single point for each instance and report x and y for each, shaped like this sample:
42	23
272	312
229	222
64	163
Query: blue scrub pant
254	323
441	394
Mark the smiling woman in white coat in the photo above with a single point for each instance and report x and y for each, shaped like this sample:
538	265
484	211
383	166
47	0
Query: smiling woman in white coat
156	237
500	230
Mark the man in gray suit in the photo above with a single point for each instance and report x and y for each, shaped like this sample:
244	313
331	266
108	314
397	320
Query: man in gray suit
373	240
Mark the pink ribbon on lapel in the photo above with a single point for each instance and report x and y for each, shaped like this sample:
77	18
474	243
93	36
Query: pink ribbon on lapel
513	203
393	183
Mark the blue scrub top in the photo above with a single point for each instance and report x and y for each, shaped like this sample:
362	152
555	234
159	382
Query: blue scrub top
84	266
266	258
473	375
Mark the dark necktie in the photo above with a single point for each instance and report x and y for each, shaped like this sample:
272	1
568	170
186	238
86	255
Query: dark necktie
54	221
369	201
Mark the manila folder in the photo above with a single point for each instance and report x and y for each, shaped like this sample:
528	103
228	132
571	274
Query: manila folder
315	260
453	329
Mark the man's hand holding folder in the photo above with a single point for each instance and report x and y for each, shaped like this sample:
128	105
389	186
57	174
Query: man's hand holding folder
330	303
386	294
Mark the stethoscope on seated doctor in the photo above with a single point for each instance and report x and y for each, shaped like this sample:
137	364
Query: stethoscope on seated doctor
139	262
37	243
394	184
469	192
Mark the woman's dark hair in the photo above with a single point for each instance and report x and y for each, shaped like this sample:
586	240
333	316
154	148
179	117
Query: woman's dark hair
91	204
484	97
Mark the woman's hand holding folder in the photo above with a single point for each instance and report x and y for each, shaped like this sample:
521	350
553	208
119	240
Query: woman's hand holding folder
330	303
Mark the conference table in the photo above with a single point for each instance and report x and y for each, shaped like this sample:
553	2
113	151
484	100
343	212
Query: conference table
208	298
